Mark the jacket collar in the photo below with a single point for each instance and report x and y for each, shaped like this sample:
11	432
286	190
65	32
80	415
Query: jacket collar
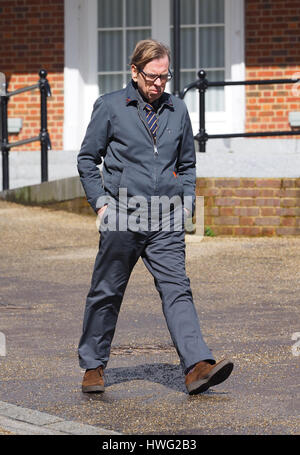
132	96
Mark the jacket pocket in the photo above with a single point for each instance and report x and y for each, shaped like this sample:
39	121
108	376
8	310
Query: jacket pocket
114	182
170	184
137	182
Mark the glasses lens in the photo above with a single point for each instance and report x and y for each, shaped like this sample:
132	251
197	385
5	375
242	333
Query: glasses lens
153	77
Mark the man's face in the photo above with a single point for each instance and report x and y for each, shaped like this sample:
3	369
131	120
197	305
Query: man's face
151	90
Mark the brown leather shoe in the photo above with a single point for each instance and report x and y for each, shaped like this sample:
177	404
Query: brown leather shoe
93	380
205	375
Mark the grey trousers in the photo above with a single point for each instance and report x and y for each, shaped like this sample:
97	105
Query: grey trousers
163	253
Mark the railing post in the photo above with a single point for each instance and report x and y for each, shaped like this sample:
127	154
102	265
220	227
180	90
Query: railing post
176	40
4	133
202	90
44	136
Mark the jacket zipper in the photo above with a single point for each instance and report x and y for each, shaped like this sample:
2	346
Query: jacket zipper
146	126
154	146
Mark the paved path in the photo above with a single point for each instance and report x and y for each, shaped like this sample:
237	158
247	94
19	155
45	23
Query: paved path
247	296
23	421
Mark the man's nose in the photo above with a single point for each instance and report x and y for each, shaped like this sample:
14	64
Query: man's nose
158	82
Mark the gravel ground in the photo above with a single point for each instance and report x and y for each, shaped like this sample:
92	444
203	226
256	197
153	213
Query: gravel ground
246	291
2	431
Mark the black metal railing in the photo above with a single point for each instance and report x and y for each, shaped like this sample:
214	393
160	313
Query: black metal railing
202	84
43	137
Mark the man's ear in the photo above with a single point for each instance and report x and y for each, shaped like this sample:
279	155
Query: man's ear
134	73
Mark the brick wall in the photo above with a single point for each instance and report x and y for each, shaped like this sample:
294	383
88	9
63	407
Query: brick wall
272	51
251	206
33	33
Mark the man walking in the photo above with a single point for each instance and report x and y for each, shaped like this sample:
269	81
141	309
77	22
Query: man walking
146	140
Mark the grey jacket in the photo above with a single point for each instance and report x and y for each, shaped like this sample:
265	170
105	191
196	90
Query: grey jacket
119	133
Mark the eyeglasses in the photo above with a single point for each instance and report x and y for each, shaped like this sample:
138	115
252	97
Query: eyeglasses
153	77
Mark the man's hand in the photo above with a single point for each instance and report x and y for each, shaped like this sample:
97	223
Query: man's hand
100	214
187	212
102	210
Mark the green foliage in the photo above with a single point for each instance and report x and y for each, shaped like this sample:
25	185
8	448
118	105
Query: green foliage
208	232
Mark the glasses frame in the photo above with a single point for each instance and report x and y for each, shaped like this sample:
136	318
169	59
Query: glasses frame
156	76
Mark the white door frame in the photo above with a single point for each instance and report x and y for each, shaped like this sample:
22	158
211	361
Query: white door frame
80	73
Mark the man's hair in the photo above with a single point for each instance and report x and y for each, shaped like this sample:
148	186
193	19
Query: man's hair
147	50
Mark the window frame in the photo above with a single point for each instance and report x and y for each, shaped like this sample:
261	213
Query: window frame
124	29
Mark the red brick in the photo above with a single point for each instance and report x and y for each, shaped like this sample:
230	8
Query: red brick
290	211
226	211
290	192
227	220
268	231
246	221
268	183
270	211
226	201
288	221
291	202
268	202
223	230
288	230
213	211
247	192
247	202
264	193
267	221
231	183
246	211
210	192
247	231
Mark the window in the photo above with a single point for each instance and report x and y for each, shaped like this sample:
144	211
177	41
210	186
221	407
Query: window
202	41
121	23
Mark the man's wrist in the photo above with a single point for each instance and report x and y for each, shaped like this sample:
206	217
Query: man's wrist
99	211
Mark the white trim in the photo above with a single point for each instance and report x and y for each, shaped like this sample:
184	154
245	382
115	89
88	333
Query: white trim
232	119
235	97
80	73
71	74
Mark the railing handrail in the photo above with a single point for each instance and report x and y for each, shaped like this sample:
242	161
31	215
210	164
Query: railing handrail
202	84
44	138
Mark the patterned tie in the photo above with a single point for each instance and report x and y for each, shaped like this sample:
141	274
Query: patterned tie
151	118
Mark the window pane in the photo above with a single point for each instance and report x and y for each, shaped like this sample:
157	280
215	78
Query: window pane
110	51
109	83
187	12
211	47
215	95
132	37
191	98
110	13
138	13
211	11
187	47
